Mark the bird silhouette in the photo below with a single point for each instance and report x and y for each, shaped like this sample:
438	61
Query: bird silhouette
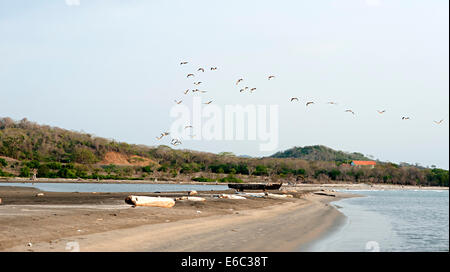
239	80
332	103
198	83
241	90
183	62
309	103
175	142
209	102
350	111
252	90
178	102
270	77
405	118
294	98
439	122
185	92
189	75
201	69
188	127
213	68
381	112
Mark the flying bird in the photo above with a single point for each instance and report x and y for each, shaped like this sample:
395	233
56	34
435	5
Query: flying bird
381	112
252	89
178	102
270	77
405	118
175	142
294	98
203	91
332	103
162	135
185	92
198	83
183	62
188	127
201	69
350	111
439	122
190	75
241	90
309	103
195	90
239	80
213	68
209	102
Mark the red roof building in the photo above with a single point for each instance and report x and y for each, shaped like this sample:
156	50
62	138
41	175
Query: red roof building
364	163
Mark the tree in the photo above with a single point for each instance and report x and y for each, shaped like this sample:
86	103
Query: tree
25	172
3	162
84	156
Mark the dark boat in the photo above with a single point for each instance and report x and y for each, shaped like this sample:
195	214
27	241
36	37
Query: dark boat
254	186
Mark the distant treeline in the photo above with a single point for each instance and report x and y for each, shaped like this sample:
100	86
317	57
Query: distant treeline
58	153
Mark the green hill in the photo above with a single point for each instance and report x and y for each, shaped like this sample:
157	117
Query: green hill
318	153
50	152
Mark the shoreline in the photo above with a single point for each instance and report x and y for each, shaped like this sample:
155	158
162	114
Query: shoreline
301	186
102	222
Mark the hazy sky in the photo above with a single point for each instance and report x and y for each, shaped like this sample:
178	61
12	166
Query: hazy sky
112	68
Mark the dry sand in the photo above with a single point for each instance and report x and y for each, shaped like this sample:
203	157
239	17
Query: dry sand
103	222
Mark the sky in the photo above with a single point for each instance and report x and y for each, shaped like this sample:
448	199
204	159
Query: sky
112	68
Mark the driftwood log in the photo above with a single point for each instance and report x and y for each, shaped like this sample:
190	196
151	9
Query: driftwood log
149	201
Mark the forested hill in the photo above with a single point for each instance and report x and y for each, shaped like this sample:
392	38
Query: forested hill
318	153
25	140
27	148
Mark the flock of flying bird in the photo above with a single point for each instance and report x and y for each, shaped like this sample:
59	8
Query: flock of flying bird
176	142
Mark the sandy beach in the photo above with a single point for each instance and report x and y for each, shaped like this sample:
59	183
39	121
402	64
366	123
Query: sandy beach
103	222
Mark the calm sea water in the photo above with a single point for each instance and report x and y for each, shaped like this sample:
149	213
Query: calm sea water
114	188
391	221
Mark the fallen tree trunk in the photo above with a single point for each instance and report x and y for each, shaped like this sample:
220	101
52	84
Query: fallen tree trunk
231	196
149	201
278	196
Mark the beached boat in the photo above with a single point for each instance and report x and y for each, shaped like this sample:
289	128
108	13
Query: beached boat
255	186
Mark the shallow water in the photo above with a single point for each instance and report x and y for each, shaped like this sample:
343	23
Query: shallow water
391	221
115	188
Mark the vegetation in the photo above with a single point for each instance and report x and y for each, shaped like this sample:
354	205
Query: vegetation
59	153
319	153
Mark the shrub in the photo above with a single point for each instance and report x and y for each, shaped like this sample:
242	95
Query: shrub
43	171
25	172
231	179
84	156
3	162
5	174
32	164
67	173
54	165
261	170
147	169
203	179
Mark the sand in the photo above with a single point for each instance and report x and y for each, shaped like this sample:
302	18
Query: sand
103	222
